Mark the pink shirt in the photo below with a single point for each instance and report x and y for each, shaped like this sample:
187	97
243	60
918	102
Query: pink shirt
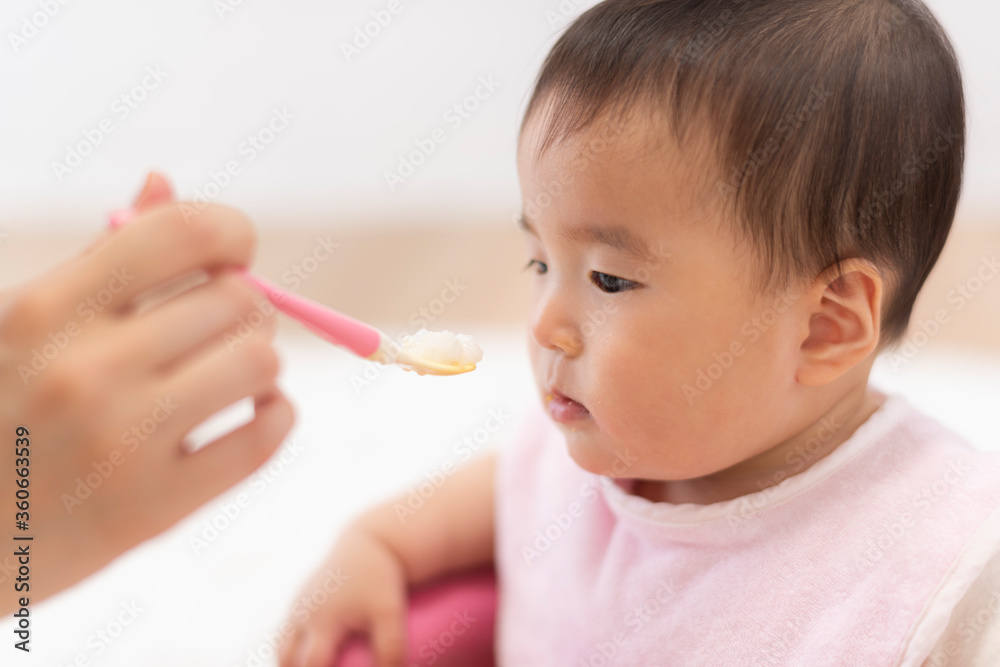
858	560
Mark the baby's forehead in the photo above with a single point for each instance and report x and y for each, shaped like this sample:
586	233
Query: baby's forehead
634	153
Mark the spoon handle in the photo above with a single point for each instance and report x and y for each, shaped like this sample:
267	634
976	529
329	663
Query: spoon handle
358	337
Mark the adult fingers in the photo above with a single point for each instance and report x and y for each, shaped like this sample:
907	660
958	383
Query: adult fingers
219	376
204	474
190	320
155	191
161	244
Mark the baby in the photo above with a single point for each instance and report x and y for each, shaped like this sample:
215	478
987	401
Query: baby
729	209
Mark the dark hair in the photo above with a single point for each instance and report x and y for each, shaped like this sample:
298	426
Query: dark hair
839	124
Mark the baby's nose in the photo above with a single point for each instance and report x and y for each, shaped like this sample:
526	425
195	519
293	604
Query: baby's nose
554	328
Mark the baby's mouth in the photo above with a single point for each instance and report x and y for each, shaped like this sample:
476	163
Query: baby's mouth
564	409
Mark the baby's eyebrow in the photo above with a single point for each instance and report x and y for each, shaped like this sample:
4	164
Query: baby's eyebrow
615	236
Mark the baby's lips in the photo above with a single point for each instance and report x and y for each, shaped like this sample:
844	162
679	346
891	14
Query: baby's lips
554	393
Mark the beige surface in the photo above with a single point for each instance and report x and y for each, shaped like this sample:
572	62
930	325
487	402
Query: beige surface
973	322
386	277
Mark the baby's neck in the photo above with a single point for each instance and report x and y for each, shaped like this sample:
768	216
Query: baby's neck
771	466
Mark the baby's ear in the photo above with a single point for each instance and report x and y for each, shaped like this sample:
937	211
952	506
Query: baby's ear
845	312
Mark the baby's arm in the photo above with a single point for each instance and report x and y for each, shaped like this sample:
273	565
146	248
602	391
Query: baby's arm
384	552
452	531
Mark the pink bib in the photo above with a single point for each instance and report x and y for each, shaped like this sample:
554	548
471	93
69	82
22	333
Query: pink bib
858	560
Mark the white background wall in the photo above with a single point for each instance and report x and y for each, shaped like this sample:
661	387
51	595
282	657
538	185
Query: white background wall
227	70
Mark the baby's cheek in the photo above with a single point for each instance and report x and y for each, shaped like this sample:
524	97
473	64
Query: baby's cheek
653	375
637	395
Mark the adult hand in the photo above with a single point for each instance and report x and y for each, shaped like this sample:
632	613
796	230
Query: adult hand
102	390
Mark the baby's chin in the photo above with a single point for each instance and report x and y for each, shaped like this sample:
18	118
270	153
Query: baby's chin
600	457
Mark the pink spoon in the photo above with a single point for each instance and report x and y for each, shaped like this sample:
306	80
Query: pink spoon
362	339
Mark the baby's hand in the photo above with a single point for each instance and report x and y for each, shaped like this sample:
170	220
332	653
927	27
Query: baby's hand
371	600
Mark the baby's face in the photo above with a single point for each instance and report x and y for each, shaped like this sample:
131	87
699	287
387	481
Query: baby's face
648	345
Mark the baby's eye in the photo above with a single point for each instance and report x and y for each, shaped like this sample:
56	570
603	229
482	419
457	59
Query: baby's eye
542	266
611	284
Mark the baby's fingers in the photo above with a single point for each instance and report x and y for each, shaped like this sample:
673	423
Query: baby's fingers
388	634
319	648
311	647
